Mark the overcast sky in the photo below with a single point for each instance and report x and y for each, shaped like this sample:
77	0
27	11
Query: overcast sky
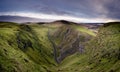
73	10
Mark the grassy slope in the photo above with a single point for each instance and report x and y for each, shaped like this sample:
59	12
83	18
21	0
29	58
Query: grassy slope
105	53
83	29
12	58
64	37
102	53
27	48
21	49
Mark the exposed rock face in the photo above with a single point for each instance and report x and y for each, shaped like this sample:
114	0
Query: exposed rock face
68	41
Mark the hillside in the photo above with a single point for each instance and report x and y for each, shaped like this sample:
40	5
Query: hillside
59	47
22	51
31	47
101	54
105	53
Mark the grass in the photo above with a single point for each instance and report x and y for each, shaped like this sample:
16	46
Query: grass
106	49
26	48
22	54
83	29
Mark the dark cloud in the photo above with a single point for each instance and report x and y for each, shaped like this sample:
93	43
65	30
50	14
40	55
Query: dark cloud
113	8
79	8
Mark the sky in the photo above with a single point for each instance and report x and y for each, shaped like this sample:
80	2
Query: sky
71	10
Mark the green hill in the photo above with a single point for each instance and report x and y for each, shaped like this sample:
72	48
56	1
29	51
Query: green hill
28	48
105	53
58	47
102	53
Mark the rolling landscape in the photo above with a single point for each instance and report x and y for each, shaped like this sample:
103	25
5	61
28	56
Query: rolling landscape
59	36
59	46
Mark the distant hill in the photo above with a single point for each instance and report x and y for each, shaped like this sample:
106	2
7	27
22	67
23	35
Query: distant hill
19	19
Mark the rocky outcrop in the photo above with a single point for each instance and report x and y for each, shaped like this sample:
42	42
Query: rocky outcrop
67	41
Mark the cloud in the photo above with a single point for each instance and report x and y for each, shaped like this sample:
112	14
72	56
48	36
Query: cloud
106	8
113	9
57	17
96	8
80	10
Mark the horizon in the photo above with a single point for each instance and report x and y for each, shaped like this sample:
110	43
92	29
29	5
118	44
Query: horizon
37	20
24	19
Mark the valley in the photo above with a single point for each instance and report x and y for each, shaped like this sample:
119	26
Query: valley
59	46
